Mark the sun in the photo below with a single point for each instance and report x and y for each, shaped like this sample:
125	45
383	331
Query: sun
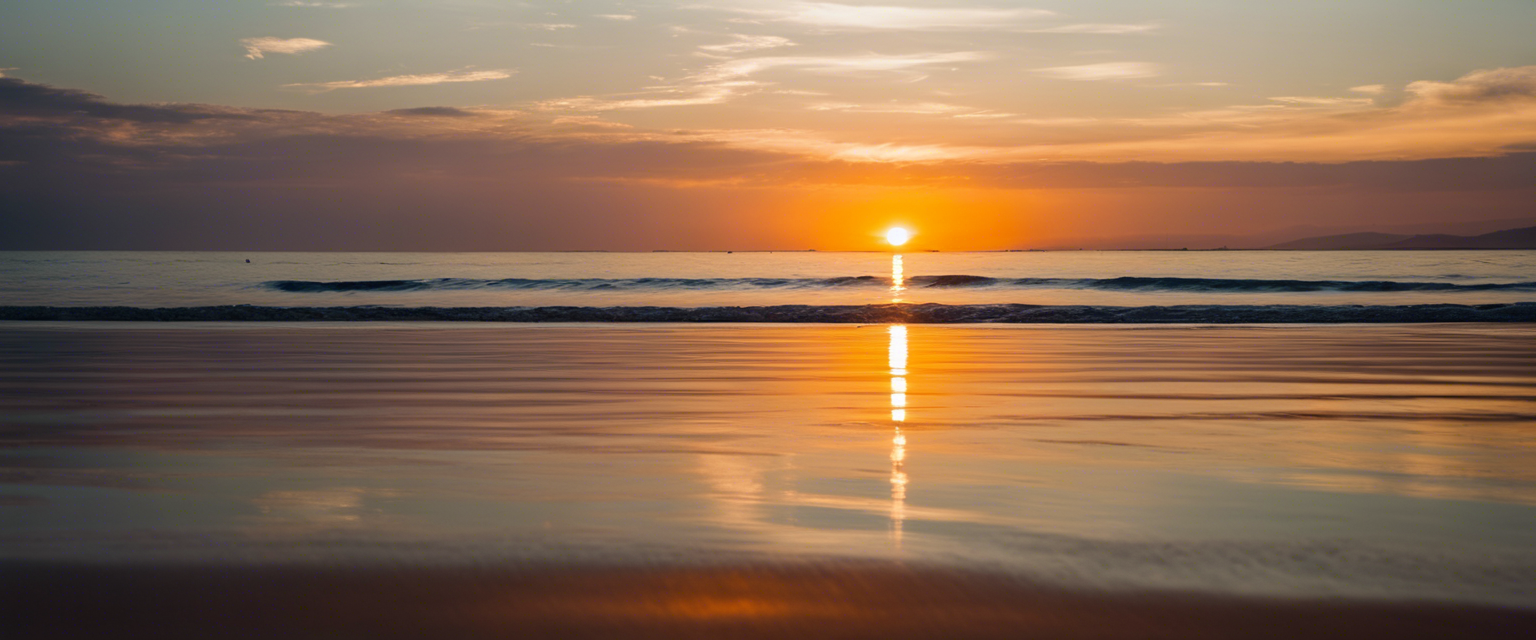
897	236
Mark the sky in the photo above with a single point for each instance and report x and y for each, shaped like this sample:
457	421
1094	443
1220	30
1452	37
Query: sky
748	124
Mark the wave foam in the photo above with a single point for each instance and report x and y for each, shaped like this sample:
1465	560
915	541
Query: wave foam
863	314
1125	283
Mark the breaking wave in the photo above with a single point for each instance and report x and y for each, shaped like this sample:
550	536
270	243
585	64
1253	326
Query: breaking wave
863	314
1127	283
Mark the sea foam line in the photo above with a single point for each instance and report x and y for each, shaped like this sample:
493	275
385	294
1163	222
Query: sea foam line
1123	283
863	314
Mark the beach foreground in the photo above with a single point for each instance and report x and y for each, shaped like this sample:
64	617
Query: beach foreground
839	600
384	479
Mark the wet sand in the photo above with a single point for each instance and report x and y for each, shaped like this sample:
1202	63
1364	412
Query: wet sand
411	480
819	601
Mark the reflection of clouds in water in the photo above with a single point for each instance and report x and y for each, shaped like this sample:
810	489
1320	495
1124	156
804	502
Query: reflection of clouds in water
737	488
343	505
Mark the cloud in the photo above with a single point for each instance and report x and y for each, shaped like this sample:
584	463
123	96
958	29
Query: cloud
1483	86
434	112
834	65
623	17
887	152
923	108
549	26
1373	89
1103	71
1316	101
406	80
1479	114
744	43
686	96
587	123
1100	28
21	98
315	5
404	181
256	47
832	16
1443	121
723	81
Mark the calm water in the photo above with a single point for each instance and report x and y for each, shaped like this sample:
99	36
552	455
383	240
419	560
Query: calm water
158	279
1365	461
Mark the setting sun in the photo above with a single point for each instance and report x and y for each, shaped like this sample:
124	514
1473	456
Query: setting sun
897	236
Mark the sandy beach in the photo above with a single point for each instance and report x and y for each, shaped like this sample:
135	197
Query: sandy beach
774	601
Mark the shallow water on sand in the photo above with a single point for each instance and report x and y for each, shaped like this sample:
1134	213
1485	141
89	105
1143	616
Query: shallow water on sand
1384	461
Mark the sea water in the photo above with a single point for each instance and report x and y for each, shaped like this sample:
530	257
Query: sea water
690	280
1389	461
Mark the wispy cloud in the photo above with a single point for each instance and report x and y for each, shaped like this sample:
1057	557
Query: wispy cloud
665	97
546	26
836	65
728	79
433	112
183	157
1480	113
1100	28
1319	101
922	108
827	15
1103	71
1373	89
1483	86
616	16
406	80
315	5
256	47
815	145
588	122
744	43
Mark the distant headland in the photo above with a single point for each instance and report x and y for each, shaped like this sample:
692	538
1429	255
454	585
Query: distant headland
1522	238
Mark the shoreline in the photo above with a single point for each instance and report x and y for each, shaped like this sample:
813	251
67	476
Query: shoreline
899	313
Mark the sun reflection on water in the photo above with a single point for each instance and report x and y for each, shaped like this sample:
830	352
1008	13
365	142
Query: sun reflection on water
897	359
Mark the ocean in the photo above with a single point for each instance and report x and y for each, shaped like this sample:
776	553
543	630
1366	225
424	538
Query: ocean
824	286
851	424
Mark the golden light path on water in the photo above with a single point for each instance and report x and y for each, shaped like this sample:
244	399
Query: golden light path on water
896	356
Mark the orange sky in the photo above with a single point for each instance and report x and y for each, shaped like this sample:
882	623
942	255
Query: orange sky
619	125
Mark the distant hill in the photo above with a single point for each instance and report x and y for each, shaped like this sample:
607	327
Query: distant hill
1523	238
1366	240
